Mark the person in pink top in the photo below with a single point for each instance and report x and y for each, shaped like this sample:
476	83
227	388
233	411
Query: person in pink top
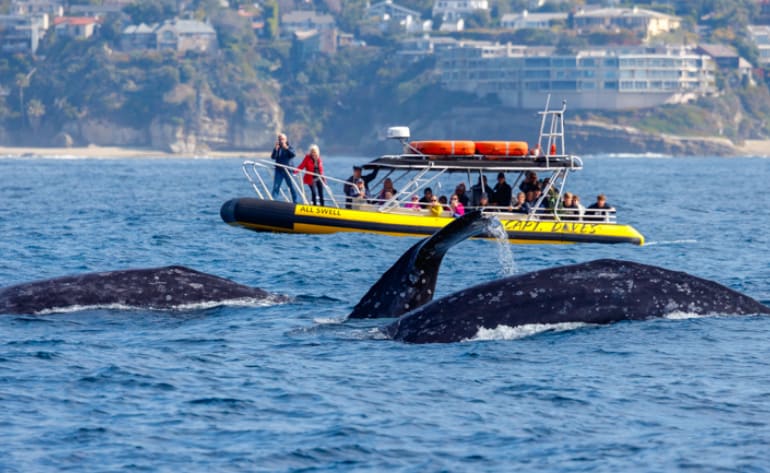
458	210
313	173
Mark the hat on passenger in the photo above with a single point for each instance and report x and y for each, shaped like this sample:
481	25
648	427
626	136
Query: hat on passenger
500	174
356	168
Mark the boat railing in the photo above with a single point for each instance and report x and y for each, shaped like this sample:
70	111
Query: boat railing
401	201
252	171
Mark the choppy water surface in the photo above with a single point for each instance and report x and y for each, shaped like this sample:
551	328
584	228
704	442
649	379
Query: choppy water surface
290	387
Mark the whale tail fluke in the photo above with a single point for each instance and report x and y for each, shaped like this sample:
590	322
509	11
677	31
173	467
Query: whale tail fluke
411	281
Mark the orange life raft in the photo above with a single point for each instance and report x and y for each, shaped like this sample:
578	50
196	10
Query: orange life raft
445	148
494	149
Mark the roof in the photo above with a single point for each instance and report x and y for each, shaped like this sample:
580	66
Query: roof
535	17
189	26
517	164
621	12
718	50
301	16
76	20
141	28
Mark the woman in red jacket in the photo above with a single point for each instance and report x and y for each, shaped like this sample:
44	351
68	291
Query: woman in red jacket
313	170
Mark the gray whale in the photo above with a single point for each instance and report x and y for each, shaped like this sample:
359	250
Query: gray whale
597	292
165	288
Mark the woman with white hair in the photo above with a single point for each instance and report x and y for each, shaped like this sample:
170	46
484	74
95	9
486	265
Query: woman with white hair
314	170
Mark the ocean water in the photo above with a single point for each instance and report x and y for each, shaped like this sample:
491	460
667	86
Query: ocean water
294	387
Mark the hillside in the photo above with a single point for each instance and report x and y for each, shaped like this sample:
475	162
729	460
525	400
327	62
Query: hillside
78	92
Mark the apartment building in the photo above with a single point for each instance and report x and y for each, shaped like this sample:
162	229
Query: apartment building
615	78
22	33
648	23
761	36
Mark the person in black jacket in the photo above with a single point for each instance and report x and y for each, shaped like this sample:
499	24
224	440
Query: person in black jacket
283	153
350	188
502	192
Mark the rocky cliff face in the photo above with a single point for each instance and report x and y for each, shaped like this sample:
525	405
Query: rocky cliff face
581	138
256	131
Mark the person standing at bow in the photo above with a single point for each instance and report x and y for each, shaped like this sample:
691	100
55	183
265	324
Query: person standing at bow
313	171
282	154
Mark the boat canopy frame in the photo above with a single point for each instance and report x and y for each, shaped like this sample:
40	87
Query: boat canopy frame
423	170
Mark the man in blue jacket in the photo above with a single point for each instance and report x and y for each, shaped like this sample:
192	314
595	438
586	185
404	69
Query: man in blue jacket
283	154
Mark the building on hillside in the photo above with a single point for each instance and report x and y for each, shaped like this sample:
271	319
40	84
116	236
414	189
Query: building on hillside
52	8
761	36
646	22
22	33
186	35
138	37
538	21
302	20
76	27
453	10
425	46
306	44
616	78
179	35
389	11
388	16
108	7
727	59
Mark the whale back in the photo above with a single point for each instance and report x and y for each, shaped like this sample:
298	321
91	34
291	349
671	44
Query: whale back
597	292
154	288
411	281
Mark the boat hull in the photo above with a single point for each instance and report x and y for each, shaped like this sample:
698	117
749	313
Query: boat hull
276	216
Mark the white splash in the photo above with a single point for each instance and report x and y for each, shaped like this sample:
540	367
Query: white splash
670	242
240	302
329	320
504	253
505	332
679	315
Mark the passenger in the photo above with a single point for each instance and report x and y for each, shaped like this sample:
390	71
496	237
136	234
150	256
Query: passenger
483	201
360	198
414	204
436	209
282	154
444	203
581	209
502	191
552	199
458	209
600	210
312	165
567	209
350	186
461	194
427	197
481	187
530	182
521	203
387	186
531	205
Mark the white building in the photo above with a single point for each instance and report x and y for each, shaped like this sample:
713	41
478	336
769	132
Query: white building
761	36
22	33
648	22
305	20
605	79
389	11
525	19
452	10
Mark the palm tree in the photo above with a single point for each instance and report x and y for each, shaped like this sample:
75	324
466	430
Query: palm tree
35	112
22	82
